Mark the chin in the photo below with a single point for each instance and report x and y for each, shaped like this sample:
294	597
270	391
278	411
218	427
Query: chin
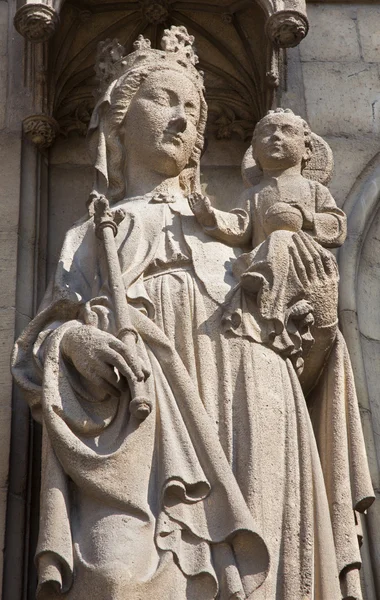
171	162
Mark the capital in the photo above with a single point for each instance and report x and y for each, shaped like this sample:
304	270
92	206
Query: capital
36	22
41	130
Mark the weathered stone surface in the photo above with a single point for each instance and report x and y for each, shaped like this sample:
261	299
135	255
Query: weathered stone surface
70	188
369	283
223	153
351	156
3	60
223	185
326	41
8	252
10	148
293	96
170	437
72	150
348	112
369	32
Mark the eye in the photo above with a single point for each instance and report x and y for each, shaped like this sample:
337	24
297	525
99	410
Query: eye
269	130
191	109
288	129
162	99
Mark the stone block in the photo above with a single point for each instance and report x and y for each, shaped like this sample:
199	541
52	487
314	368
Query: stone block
70	151
371	356
8	265
332	35
223	185
70	187
3	28
351	156
7	318
368	288
223	153
293	97
10	152
340	97
369	32
3	60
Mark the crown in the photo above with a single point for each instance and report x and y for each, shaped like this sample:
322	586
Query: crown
178	53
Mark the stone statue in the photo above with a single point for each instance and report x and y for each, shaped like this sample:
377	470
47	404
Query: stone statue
182	458
283	199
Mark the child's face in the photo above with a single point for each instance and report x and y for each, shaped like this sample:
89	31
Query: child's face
280	142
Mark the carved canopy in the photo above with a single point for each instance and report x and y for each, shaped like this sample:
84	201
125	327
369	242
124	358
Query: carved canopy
239	43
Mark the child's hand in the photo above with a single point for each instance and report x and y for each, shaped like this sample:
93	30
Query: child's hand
202	209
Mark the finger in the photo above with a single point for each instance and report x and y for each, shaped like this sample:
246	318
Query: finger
125	360
315	252
299	267
306	257
330	266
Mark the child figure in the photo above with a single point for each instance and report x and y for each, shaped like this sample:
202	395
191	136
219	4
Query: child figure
280	298
283	199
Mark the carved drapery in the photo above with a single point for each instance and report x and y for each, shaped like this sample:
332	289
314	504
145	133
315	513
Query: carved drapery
240	46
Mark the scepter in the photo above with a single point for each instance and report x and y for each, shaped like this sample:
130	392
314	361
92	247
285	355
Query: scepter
106	228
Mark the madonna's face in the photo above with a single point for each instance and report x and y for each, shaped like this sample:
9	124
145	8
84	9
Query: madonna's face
160	127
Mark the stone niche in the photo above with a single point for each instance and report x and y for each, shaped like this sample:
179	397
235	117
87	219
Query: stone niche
242	59
241	69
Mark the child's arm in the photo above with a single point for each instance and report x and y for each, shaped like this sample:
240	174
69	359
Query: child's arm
328	225
233	228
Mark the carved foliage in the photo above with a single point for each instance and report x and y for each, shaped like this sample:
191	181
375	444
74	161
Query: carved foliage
287	28
155	12
36	22
41	130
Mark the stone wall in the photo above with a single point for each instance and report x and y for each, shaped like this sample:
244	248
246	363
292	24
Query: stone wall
9	155
332	79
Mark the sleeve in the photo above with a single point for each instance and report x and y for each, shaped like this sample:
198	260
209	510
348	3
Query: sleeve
330	222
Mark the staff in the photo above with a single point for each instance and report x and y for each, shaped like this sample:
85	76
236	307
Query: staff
106	228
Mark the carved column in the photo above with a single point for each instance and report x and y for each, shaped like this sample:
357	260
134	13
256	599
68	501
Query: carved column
37	23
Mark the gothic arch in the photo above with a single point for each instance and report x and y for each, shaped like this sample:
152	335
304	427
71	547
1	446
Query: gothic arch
239	43
357	294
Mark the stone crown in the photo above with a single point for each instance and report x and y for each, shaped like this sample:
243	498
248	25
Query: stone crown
178	53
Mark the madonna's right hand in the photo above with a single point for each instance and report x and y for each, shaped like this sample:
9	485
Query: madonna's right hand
202	209
95	354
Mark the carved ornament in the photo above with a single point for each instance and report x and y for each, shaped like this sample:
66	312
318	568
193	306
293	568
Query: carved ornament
287	28
41	130
36	22
155	12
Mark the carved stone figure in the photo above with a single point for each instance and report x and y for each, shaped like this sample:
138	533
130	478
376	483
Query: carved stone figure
181	457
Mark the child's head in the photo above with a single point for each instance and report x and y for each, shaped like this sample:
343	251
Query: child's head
281	140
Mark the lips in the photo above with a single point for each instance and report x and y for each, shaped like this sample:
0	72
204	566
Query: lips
171	136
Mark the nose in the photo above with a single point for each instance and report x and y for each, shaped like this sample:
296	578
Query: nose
276	135
178	122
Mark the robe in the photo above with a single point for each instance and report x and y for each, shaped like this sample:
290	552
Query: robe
224	490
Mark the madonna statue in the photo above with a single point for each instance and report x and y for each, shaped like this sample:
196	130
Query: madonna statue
237	472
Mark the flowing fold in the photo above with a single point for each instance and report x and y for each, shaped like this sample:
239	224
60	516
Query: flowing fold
336	421
201	504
